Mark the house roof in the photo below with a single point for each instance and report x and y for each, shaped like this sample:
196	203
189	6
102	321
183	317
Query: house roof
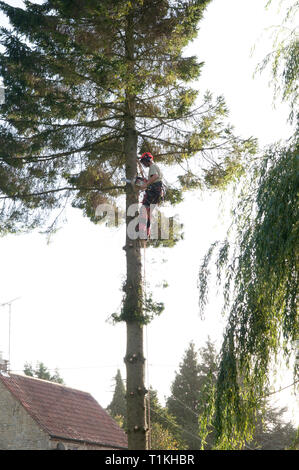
65	412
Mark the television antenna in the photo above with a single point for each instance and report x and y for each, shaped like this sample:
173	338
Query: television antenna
9	322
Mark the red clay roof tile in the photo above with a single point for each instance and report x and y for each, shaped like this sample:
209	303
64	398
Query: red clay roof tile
65	412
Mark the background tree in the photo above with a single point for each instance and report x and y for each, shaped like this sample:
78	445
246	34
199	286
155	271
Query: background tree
162	439
184	399
188	397
89	85
271	431
259	262
42	372
118	408
163	426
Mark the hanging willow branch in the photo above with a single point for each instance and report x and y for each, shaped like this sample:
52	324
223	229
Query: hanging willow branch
260	274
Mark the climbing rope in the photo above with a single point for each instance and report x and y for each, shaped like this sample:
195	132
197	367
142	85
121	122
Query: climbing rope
147	356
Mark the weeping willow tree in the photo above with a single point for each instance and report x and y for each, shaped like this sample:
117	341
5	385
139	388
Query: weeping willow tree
259	271
257	266
283	59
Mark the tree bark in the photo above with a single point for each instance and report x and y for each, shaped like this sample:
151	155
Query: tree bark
133	308
133	305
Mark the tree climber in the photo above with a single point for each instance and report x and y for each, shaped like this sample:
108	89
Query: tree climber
153	187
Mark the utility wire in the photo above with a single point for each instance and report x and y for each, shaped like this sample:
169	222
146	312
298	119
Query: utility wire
280	390
124	380
197	415
262	397
184	405
176	425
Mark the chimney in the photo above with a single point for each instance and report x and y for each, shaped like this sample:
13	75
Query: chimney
3	363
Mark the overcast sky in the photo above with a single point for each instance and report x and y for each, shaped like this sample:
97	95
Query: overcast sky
68	288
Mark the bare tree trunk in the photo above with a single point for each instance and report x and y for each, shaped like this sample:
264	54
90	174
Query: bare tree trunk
133	308
133	305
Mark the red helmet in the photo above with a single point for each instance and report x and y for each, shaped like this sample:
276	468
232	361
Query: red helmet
146	157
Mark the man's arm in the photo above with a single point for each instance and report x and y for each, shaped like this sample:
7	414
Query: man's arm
152	179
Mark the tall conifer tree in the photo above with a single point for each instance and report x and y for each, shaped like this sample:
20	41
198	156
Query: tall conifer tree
185	398
117	407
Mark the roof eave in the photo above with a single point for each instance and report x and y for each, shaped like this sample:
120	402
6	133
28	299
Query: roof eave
84	441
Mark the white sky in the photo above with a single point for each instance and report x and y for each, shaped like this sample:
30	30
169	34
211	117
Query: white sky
69	287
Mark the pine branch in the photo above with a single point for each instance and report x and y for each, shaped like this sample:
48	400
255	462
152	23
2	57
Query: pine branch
71	188
44	158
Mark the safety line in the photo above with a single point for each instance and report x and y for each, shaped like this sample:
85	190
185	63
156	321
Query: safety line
147	358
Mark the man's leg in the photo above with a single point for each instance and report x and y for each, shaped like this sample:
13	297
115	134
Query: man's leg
143	222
